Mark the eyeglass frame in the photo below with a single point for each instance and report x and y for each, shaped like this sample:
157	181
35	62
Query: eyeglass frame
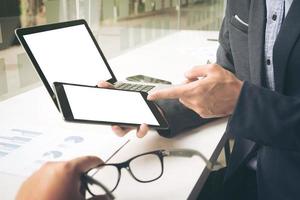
85	179
160	153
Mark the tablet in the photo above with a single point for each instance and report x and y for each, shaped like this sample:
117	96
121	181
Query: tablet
88	104
65	52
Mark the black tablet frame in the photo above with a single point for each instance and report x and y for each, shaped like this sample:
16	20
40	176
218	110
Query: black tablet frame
68	115
21	32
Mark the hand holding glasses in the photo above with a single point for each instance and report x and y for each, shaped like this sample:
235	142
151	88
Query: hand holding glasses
110	174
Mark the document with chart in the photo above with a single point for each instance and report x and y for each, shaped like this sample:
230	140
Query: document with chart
23	151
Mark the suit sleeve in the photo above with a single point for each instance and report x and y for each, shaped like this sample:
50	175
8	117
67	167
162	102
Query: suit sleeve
179	118
267	118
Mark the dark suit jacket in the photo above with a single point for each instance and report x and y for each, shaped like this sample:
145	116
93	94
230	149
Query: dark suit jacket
264	117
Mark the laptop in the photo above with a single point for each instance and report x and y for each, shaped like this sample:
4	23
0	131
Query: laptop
68	52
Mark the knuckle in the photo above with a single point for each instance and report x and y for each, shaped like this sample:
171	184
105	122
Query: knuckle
48	164
205	116
185	103
201	112
210	67
181	100
195	67
213	67
88	157
57	169
66	167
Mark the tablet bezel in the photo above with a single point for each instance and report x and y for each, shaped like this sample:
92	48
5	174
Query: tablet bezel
21	32
68	114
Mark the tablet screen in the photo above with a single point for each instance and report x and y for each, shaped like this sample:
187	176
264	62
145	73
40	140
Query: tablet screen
108	105
68	55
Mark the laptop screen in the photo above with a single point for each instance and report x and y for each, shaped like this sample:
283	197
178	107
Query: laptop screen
68	55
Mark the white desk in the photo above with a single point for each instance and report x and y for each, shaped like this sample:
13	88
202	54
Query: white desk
167	58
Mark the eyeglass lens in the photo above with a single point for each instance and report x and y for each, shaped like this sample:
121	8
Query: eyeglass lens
144	168
108	175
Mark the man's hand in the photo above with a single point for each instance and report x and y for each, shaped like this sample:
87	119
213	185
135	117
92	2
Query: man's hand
210	90
122	131
57	180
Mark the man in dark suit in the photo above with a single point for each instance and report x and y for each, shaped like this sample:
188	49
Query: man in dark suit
259	43
255	81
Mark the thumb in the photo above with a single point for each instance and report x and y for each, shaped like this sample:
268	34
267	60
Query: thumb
104	84
197	72
85	163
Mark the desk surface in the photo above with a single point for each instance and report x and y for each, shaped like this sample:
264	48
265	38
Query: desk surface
167	58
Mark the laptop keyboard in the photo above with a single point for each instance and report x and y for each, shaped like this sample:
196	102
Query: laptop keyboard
133	87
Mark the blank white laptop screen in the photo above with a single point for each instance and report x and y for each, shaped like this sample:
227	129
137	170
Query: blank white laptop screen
68	55
109	105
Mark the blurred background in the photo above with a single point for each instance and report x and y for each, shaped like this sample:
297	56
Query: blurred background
118	25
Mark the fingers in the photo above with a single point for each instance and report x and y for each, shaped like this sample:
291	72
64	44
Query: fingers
190	80
199	71
142	130
85	163
176	92
168	93
104	84
120	131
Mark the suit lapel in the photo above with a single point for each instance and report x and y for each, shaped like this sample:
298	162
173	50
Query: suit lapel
287	36
256	39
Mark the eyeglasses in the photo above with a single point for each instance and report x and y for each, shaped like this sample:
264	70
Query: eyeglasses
105	194
144	168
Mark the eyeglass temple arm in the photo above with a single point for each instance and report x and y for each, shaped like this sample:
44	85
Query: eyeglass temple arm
91	180
190	153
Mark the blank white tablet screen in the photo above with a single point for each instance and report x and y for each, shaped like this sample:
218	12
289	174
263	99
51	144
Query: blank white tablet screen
109	105
68	55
